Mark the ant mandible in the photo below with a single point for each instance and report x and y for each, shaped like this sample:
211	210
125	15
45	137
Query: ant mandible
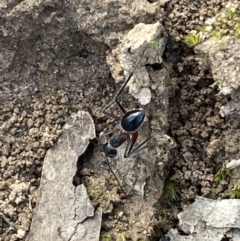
129	124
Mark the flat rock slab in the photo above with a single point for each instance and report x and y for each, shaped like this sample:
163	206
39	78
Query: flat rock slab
209	220
64	212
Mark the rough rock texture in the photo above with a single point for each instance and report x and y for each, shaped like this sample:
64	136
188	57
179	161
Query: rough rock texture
224	58
64	212
42	52
207	220
144	43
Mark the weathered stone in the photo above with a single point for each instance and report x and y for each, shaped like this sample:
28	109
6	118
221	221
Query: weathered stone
64	212
224	57
141	46
233	164
207	219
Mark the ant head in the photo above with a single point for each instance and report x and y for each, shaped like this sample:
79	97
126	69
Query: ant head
132	120
108	150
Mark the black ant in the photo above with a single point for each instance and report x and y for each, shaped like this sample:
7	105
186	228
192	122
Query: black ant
127	132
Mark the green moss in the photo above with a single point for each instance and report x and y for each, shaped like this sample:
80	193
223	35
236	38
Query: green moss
67	109
105	236
216	35
237	30
217	83
98	194
235	192
212	195
155	41
171	191
231	14
121	236
192	39
222	174
224	23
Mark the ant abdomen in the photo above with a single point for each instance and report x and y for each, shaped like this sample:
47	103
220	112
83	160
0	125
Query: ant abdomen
132	120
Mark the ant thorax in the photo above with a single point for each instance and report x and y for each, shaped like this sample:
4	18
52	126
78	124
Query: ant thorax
117	140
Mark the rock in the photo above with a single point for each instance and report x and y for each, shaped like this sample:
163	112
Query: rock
213	147
141	46
225	61
64	211
21	234
3	185
233	164
18	192
5	149
207	219
232	107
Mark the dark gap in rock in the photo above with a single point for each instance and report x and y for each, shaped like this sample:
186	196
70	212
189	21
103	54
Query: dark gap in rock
182	233
83	167
225	239
155	66
165	238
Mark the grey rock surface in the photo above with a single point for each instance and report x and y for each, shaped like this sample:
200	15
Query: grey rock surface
233	164
64	212
208	220
142	46
224	58
106	21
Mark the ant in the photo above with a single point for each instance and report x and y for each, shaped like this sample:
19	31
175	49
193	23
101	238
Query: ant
127	132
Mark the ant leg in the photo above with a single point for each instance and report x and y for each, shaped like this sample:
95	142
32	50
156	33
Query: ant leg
117	118
115	177
139	148
129	77
119	93
115	100
130	144
100	145
112	115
